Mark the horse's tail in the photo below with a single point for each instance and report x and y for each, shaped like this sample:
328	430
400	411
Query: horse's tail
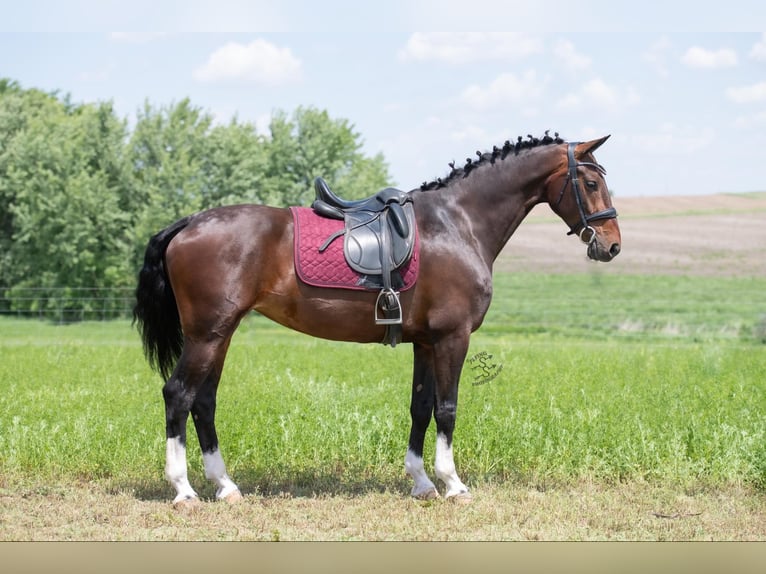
156	312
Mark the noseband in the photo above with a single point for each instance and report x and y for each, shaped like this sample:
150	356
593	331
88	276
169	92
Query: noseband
586	233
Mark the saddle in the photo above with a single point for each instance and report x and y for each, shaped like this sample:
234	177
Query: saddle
378	239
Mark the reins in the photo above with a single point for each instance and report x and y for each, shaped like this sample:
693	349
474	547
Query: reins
586	233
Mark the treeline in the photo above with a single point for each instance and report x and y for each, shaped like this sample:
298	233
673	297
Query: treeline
81	190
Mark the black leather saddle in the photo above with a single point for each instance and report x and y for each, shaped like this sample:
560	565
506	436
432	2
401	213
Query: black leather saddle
378	239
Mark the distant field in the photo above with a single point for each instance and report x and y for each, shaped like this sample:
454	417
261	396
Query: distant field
715	235
625	405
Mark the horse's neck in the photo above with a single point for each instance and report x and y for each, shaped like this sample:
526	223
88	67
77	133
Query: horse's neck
496	198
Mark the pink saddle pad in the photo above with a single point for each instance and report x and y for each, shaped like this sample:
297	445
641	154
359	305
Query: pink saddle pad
329	268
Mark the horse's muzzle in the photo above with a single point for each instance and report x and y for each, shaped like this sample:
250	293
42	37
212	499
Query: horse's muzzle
597	252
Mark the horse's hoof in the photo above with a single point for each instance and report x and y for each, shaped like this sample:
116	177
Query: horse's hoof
463	498
233	497
187	504
431	494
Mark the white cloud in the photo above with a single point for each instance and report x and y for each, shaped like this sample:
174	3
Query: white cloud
656	55
601	93
466	47
258	62
758	52
696	57
747	94
597	93
565	51
754	120
506	88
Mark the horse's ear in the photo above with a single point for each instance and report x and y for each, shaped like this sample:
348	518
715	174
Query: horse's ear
589	147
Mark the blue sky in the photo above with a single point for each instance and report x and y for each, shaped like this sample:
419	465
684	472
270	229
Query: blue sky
686	109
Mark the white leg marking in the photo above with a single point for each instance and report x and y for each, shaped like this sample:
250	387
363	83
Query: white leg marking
423	488
175	470
445	468
215	470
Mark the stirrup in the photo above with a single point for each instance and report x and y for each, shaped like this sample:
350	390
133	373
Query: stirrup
384	297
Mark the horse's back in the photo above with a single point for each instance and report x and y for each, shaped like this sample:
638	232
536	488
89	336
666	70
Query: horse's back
228	221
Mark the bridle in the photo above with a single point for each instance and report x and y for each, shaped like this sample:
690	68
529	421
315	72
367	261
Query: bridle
586	233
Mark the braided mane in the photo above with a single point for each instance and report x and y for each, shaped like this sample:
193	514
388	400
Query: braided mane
491	157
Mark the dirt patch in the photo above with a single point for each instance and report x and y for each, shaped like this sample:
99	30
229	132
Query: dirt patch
722	235
632	511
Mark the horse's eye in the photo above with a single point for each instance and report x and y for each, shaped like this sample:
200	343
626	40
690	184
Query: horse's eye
590	184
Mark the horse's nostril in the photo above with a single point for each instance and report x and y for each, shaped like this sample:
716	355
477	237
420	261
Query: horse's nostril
614	249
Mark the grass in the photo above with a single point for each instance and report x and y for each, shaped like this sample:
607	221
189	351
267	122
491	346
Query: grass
580	403
622	307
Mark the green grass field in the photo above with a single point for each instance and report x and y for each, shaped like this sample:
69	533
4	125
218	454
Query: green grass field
598	378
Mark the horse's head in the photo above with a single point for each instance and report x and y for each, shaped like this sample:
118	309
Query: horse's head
577	192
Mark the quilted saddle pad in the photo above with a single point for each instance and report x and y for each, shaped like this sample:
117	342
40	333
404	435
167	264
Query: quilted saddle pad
329	268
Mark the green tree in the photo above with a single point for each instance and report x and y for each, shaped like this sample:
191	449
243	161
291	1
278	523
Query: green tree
17	106
311	144
234	165
63	176
166	151
80	195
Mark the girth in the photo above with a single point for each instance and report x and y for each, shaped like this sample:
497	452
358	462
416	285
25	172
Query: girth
378	239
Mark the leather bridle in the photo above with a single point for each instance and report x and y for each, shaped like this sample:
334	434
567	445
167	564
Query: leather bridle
582	229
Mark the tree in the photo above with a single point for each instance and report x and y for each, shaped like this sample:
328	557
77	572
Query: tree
16	108
165	152
311	144
80	195
234	165
63	177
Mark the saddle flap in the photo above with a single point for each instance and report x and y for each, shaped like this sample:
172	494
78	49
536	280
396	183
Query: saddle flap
362	249
365	245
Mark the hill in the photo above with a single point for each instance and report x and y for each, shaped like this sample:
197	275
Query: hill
721	235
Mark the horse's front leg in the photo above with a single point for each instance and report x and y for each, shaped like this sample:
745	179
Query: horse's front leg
448	356
421	410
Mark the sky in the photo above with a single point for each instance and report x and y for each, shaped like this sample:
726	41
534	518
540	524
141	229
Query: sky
686	110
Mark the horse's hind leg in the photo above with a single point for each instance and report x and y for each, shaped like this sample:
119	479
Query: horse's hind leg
421	410
203	415
178	401
192	388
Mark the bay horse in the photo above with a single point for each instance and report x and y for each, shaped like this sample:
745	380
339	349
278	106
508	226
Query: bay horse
204	273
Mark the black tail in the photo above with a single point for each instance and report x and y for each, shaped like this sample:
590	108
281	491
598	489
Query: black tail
156	312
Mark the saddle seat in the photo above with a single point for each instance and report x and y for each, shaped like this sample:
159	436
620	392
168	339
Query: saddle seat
379	237
330	205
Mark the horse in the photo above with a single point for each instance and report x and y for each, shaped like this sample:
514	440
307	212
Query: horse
205	272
